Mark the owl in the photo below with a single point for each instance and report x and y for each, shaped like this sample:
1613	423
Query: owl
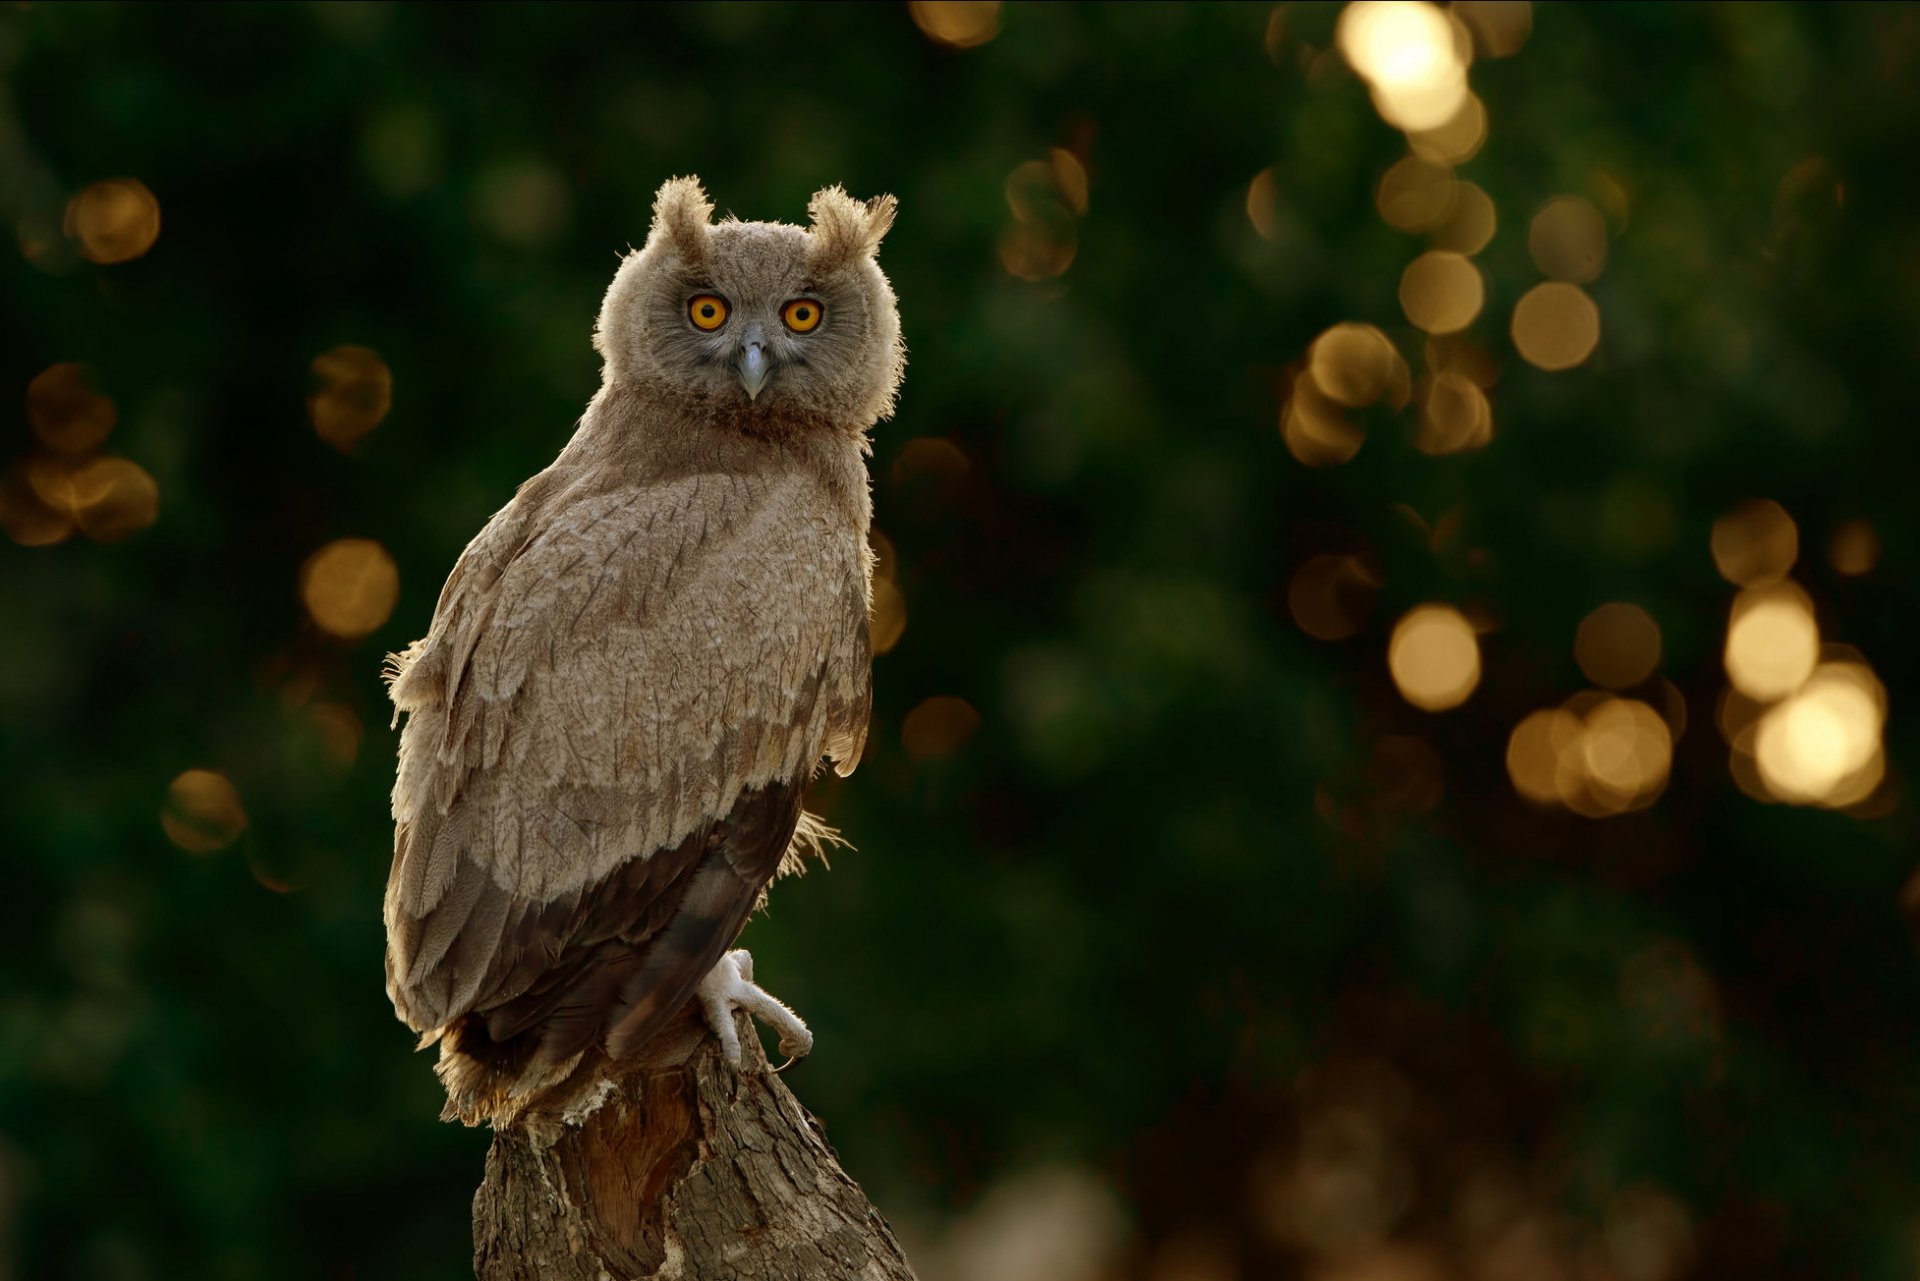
638	664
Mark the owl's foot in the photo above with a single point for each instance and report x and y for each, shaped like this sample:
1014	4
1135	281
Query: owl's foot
729	986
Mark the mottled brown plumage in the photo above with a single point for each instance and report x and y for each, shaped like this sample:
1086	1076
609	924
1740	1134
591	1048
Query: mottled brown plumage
637	664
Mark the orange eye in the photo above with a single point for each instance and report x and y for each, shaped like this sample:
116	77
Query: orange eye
707	311
802	315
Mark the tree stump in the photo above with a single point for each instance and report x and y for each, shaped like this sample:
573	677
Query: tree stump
675	1166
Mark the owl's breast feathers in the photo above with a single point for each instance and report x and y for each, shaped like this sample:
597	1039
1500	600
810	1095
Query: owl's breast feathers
608	729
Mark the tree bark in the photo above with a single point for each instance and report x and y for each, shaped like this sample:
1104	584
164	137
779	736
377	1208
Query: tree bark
675	1166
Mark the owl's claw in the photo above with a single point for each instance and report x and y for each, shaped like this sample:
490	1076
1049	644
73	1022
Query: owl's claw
729	986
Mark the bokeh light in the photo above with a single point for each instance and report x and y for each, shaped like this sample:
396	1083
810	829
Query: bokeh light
1454	416
1598	756
1434	657
1355	365
1330	597
1263	205
113	498
1470	225
1555	326
1456	141
28	519
1412	55
1568	240
1772	641
960	24
350	587
1855	549
202	812
1069	178
68	414
1500	27
107	499
937	727
1046	198
1617	645
1534	751
1441	292
1416	195
354	392
1315	429
1626	750
114	221
1755	544
889	621
1822	745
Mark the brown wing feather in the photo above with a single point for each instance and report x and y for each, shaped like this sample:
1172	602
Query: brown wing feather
743	852
629	951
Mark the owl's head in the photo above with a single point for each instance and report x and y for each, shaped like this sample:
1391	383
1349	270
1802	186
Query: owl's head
764	325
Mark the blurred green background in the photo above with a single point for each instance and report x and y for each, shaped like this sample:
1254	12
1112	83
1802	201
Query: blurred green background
1178	943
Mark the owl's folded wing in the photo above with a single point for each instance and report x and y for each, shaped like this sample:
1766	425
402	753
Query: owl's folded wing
609	727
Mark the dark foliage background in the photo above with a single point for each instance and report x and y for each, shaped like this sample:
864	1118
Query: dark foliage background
1171	969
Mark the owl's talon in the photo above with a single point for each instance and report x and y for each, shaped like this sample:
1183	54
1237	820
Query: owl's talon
729	986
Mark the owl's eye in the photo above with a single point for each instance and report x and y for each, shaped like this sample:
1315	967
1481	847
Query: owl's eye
707	311
802	315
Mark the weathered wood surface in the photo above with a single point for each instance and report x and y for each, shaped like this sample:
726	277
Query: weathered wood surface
675	1167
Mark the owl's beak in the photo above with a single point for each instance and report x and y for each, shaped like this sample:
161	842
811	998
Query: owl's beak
755	369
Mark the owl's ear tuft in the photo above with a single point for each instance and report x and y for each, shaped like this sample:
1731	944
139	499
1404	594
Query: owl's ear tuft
846	230
681	215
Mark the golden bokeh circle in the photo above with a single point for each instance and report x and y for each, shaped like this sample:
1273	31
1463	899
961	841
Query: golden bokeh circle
1316	430
1617	645
1555	326
353	393
1773	641
1627	754
958	24
1355	365
68	414
1413	55
1458	139
1534	750
1442	292
888	622
1855	549
1568	240
1415	194
1499	27
1454	416
113	221
1034	251
350	587
1331	596
1434	657
114	498
1471	224
27	518
202	812
1823	745
1755	544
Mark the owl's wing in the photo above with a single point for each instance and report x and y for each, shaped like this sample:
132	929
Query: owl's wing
609	728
